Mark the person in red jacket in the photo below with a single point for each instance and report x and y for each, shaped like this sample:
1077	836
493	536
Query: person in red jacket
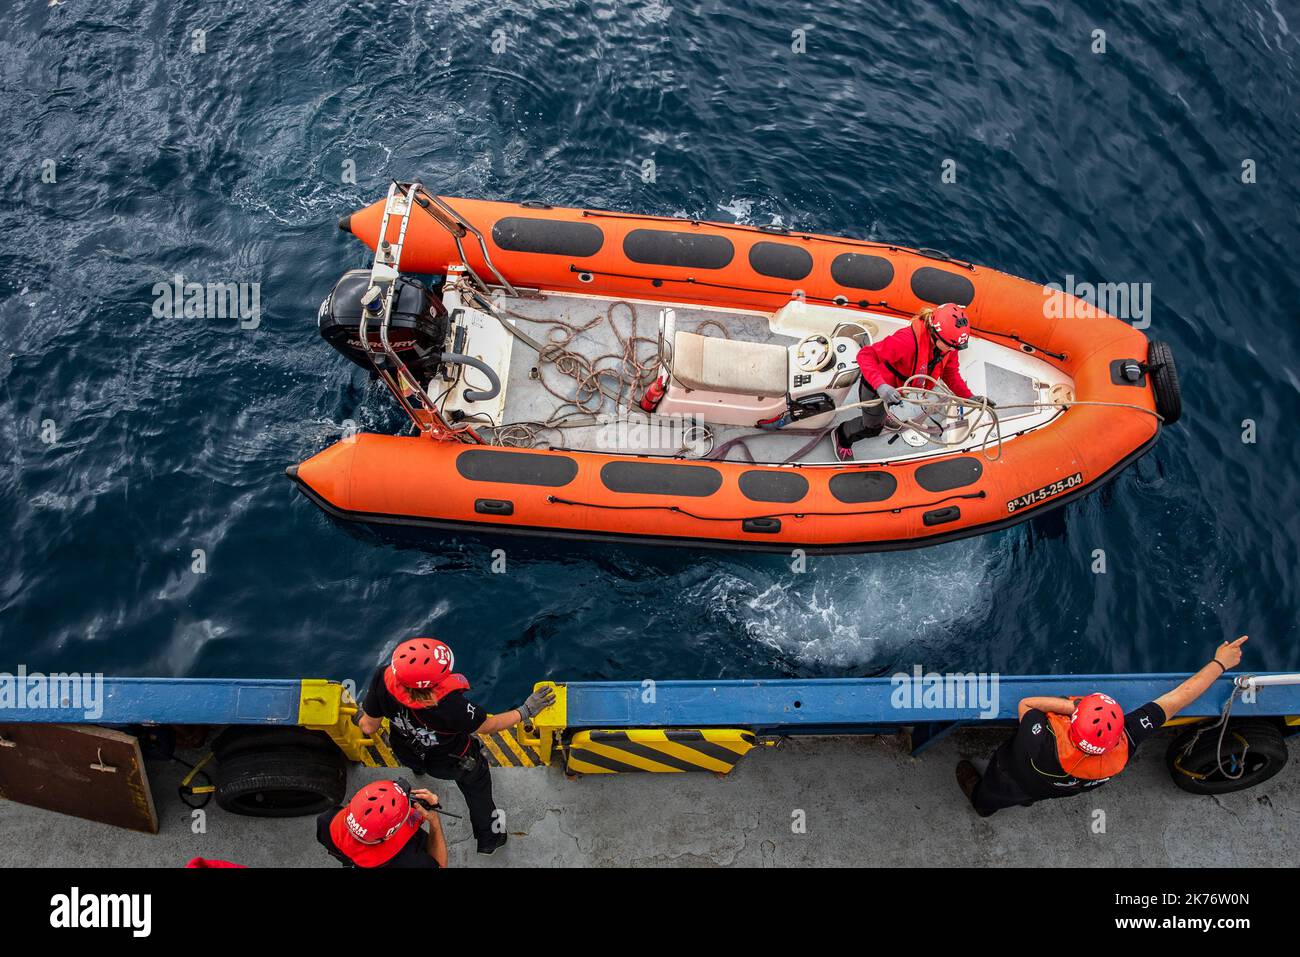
927	346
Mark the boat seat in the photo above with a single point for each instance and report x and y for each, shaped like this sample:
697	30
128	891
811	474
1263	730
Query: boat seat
713	364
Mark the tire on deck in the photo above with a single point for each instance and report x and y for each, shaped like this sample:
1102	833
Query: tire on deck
281	781
1197	771
251	737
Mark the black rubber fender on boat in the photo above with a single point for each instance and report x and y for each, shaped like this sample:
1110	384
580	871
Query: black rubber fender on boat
1164	380
1254	747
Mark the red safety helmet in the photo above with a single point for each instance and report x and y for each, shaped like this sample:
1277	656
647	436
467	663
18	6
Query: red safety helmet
949	323
1097	724
422	663
377	823
378	811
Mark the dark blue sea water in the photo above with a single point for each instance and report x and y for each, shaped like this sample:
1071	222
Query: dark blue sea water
171	435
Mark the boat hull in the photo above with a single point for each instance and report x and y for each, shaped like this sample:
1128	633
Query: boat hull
415	482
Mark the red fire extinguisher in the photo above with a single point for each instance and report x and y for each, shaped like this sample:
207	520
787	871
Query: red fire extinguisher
653	395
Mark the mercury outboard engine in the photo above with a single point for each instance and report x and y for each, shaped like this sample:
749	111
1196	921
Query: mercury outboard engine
417	330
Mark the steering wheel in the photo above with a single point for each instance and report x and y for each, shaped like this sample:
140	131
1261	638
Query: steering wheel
813	353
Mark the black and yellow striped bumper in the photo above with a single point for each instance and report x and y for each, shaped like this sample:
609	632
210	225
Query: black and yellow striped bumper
667	750
505	749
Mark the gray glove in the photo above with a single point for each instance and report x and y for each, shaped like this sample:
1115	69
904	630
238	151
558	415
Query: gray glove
536	702
889	394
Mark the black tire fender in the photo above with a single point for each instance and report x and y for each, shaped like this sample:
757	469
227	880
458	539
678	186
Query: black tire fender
281	782
1196	770
1164	381
236	738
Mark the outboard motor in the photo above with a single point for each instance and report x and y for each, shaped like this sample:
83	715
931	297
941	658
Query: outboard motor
417	330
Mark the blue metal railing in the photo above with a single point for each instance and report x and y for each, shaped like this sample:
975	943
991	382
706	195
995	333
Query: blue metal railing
788	706
792	706
153	701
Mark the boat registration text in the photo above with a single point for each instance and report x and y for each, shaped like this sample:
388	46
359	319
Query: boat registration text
1046	492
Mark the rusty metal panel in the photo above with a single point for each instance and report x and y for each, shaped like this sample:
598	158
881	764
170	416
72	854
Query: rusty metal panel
89	772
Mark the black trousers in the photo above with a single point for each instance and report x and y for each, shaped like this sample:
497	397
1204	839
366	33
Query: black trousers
997	788
870	423
475	785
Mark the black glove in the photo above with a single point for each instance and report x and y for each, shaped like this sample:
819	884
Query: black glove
985	399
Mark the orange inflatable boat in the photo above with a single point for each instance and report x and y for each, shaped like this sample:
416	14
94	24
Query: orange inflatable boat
609	376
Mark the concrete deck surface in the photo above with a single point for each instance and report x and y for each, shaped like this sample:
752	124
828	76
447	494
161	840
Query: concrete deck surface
866	802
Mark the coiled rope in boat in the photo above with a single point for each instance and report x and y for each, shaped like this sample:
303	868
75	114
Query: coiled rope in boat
614	377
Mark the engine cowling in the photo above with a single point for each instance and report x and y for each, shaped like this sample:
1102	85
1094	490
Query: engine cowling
417	329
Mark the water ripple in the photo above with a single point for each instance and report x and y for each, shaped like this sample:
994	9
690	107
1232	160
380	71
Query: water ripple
229	165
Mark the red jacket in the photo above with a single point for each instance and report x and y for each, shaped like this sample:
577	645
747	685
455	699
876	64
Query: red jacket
905	353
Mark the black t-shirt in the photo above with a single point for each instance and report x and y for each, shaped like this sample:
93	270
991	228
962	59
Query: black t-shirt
414	853
1031	757
440	731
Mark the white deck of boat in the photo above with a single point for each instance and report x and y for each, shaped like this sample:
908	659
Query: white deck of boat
1006	375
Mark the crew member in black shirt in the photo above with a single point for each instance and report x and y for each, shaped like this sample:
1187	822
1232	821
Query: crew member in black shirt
383	826
432	725
1065	746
